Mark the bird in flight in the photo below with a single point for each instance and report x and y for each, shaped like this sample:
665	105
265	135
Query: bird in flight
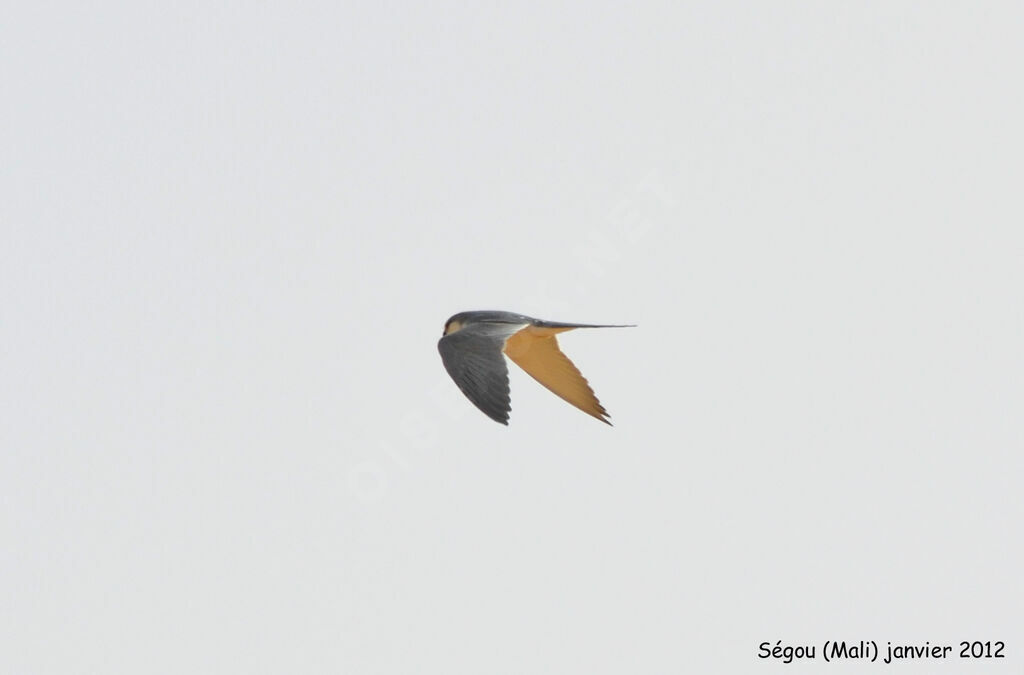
472	346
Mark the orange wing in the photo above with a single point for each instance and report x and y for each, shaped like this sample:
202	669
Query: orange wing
536	351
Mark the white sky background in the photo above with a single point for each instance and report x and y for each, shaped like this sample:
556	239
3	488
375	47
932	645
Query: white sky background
231	237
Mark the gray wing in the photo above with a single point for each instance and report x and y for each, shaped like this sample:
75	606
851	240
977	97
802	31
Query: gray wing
472	356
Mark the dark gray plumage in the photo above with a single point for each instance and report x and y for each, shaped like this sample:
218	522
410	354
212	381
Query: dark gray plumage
472	356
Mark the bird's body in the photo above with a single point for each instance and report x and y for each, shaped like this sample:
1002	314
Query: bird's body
472	349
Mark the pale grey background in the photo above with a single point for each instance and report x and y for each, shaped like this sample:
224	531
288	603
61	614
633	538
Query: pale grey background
232	234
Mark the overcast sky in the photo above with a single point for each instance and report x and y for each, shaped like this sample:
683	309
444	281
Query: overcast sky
231	236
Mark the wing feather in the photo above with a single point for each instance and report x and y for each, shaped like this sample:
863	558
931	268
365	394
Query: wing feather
536	351
473	358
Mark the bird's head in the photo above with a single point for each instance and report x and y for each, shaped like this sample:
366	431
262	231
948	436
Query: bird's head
452	326
459	321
